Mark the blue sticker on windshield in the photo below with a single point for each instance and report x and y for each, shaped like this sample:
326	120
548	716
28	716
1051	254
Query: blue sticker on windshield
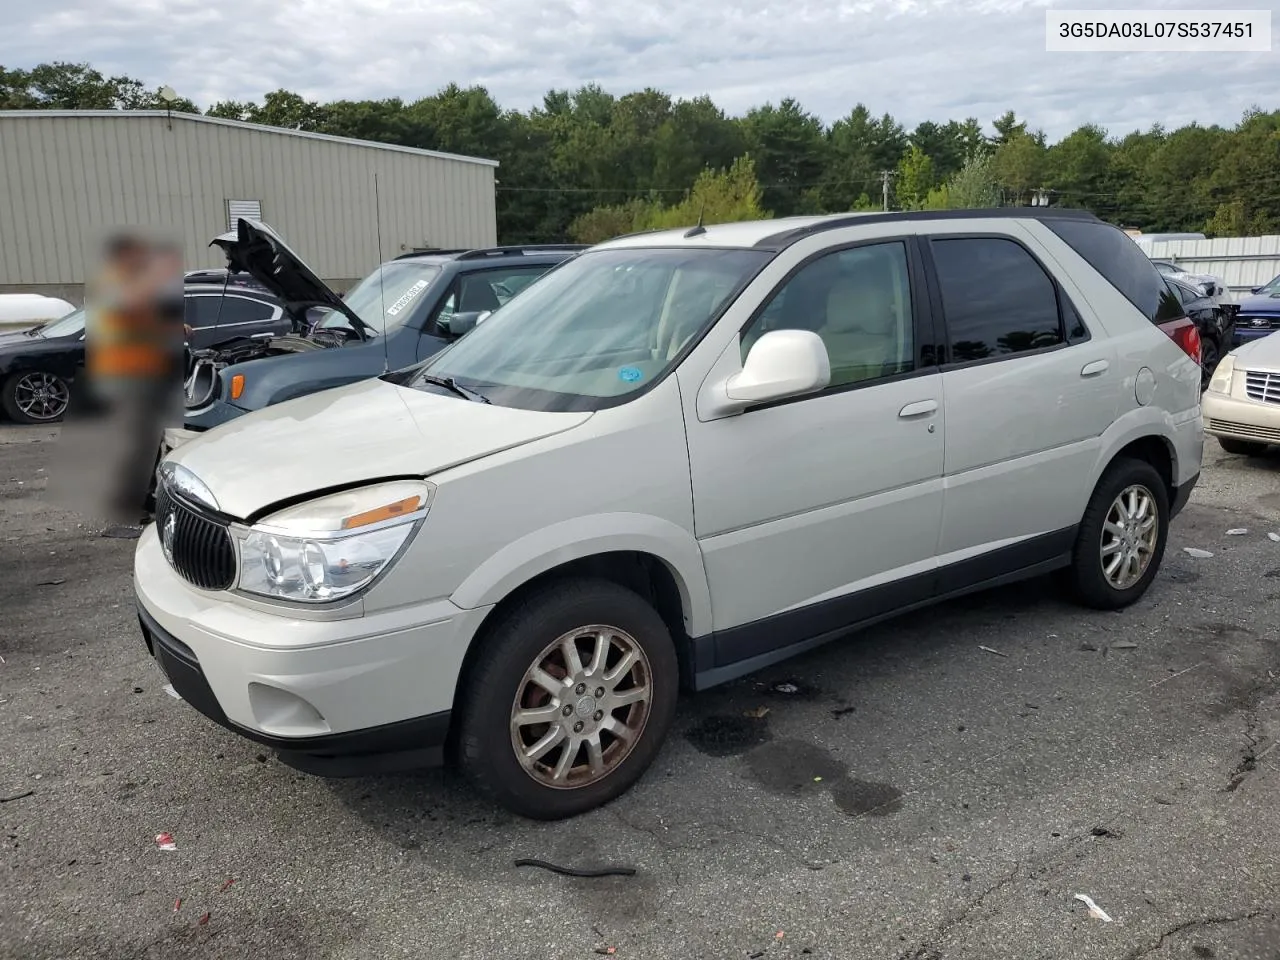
629	374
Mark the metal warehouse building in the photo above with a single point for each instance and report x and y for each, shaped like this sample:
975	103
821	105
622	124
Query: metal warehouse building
68	176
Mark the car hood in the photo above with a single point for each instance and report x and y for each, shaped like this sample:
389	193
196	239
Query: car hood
254	248
1261	353
1260	304
361	433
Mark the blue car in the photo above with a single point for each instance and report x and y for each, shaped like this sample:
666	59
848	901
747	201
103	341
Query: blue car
1259	314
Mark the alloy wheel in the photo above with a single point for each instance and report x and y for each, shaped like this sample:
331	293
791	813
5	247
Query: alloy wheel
581	707
1129	536
41	396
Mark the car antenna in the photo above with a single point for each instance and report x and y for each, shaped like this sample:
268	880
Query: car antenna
699	230
382	289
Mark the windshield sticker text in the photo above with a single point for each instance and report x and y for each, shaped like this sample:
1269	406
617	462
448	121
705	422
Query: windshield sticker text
406	298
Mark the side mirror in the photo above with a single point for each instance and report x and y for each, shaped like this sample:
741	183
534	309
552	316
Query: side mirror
1255	289
781	364
461	323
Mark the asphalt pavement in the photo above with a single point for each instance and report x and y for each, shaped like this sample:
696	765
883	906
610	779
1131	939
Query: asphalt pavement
941	786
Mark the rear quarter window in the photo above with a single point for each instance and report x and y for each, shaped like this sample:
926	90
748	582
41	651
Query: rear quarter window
1110	251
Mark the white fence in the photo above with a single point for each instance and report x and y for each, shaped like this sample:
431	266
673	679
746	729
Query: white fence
1243	262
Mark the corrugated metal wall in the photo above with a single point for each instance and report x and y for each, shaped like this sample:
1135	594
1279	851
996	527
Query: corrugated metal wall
66	178
1243	262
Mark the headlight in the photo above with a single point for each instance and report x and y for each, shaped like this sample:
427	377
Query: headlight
329	548
1221	380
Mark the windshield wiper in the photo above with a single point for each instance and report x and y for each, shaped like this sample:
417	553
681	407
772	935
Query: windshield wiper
453	386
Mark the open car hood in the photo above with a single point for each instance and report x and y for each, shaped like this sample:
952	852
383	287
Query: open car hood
254	248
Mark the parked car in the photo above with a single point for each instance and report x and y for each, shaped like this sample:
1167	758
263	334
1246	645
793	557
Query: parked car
1215	322
37	365
28	309
402	313
1259	313
1205	283
682	454
1242	403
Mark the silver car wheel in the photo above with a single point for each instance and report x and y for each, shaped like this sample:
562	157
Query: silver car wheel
1129	536
581	707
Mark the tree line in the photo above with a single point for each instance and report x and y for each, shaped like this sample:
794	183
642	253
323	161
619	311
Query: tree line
586	164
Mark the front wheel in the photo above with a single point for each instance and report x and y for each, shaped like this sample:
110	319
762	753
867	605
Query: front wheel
35	397
569	701
1122	536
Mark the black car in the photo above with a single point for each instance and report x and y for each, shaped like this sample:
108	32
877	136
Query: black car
1215	322
404	312
38	365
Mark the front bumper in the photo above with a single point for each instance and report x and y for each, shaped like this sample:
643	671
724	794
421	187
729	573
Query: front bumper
1247	334
1239	418
335	697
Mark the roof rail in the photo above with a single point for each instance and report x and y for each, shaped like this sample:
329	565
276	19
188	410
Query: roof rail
784	238
431	252
534	248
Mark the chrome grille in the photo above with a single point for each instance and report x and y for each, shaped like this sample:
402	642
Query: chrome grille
1262	386
1247	431
198	547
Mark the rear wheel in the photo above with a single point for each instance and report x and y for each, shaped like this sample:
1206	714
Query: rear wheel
569	701
35	397
1122	536
1245	448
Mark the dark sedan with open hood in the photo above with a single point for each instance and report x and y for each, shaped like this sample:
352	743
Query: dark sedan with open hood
405	311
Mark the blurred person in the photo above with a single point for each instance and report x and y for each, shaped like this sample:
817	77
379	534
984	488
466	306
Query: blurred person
132	383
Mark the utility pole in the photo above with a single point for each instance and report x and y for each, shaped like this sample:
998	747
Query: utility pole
885	177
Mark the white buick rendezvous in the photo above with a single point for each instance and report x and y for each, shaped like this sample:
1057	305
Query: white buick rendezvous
676	458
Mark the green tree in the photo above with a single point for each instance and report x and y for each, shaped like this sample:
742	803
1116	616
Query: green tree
788	145
1019	166
975	186
859	147
282	108
915	179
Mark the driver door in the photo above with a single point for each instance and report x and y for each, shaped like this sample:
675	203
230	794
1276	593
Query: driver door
823	510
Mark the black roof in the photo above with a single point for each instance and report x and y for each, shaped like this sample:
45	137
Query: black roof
494	253
784	238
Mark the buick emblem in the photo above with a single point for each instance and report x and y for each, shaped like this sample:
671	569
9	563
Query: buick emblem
167	531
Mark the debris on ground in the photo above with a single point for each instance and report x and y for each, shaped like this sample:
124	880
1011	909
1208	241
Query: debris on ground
226	886
1237	532
757	713
1103	832
786	688
779	935
1163	801
18	796
203	920
755	956
575	871
1124	645
1274	537
606	951
1197	553
1089	647
165	841
177	905
52	583
990	650
1094	910
843	712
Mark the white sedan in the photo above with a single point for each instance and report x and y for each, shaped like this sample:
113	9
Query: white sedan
1241	406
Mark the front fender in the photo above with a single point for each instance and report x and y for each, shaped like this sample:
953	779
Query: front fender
543	550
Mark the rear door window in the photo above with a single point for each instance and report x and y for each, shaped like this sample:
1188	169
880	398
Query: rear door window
996	299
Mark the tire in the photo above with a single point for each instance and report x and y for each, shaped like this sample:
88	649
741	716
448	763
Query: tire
35	396
1209	357
1088	576
1245	448
531	635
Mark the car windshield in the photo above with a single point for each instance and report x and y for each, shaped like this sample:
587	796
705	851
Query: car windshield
1270	289
386	298
72	324
597	329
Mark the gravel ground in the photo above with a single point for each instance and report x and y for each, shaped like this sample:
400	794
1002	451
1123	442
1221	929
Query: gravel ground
913	797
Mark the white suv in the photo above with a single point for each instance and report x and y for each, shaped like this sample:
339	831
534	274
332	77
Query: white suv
679	456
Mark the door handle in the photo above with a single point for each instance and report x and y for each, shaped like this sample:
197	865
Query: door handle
919	409
1095	369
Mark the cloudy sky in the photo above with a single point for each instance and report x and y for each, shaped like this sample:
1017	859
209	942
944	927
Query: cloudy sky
917	59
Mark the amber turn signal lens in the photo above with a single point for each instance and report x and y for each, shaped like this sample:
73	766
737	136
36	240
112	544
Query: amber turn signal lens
237	386
389	511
